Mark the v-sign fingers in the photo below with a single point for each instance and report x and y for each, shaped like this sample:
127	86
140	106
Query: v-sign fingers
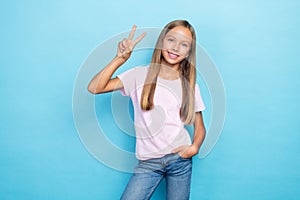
138	39
132	32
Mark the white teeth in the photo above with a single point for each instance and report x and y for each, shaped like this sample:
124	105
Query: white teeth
172	55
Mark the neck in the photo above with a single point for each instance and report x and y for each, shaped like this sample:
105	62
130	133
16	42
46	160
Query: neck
169	72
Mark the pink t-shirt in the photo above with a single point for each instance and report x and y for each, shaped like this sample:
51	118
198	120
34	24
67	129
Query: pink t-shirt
159	130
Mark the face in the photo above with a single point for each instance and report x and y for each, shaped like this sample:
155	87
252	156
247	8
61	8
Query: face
176	45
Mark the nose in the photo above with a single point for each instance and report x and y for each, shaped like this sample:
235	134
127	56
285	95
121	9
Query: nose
176	47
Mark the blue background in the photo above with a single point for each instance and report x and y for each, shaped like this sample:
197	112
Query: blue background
254	44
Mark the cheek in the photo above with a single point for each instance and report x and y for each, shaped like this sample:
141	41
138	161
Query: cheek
165	45
164	54
185	52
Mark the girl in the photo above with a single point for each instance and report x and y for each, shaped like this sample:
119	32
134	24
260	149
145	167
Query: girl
165	97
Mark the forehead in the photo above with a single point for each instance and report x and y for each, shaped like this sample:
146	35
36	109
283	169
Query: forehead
180	32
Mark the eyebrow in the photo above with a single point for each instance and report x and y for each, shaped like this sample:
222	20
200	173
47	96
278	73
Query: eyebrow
188	41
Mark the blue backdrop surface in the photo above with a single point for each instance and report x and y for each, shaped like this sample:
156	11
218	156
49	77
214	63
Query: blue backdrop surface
254	44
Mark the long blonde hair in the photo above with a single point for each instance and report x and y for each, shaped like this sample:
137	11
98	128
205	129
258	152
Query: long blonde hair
187	73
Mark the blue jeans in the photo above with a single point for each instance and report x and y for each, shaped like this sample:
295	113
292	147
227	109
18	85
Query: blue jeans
149	173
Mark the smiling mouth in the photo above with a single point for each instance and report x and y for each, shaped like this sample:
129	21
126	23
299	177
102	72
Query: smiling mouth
173	55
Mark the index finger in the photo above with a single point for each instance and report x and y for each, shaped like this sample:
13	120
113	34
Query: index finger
138	39
132	32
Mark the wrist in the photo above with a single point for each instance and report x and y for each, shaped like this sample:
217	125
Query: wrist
195	148
120	59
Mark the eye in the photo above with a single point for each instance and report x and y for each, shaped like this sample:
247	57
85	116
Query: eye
170	39
185	45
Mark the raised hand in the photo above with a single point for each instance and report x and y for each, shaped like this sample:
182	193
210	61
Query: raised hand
125	47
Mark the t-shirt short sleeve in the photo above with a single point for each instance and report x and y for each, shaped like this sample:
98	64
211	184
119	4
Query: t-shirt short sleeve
127	78
199	105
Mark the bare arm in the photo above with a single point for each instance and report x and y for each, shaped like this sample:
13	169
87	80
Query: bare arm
188	151
103	82
199	132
